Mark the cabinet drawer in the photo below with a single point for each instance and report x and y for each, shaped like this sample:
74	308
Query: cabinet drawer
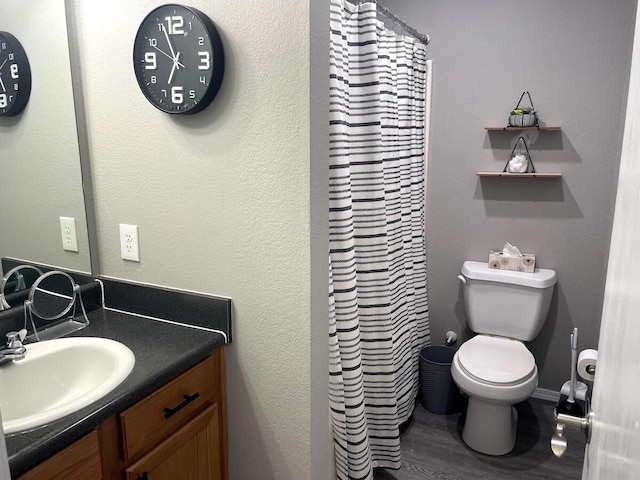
158	415
192	452
79	461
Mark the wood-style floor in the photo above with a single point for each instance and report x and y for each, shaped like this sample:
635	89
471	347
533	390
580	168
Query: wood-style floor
432	448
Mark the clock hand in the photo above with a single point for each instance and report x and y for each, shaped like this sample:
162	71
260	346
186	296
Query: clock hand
2	83
173	68
166	35
168	56
176	62
5	61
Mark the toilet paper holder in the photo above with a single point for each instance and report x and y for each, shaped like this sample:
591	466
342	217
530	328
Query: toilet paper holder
586	364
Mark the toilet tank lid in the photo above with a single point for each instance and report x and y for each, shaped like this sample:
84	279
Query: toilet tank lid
540	278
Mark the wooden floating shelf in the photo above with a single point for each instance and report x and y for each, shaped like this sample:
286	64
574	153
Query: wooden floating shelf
521	175
515	129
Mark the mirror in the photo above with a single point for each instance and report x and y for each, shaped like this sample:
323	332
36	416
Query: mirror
52	297
15	285
40	171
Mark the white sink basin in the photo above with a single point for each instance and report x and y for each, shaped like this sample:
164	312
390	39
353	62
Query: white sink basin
59	377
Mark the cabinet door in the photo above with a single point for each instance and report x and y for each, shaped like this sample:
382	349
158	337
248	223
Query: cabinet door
191	453
79	461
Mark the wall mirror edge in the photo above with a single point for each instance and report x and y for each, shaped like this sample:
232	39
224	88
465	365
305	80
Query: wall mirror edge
49	193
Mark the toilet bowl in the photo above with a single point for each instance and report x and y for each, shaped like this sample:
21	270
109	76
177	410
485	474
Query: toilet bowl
495	369
495	373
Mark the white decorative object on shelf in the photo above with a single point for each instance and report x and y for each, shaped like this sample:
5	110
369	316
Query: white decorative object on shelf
518	164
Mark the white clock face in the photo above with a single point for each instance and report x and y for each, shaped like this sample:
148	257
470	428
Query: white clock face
15	76
178	59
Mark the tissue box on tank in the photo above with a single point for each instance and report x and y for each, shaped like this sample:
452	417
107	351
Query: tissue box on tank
524	263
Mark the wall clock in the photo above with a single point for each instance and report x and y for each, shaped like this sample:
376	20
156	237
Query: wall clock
15	76
178	59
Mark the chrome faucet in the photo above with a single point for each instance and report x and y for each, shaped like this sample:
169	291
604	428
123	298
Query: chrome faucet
13	349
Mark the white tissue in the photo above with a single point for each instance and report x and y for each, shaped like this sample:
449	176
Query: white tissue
518	164
511	250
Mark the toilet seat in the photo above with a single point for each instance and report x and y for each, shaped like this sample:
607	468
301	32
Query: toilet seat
496	361
495	373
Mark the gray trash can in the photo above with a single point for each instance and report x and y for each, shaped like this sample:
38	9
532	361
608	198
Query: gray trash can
440	394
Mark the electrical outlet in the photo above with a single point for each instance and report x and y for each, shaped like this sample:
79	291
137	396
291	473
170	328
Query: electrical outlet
129	246
69	235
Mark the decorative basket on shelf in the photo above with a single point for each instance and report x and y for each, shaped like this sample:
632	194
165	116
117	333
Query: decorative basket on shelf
520	159
523	116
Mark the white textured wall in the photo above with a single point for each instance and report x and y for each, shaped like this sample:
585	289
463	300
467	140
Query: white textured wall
573	57
40	178
222	201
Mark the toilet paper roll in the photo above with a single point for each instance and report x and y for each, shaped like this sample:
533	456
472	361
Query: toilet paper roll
587	358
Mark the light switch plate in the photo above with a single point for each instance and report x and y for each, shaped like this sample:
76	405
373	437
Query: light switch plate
69	235
129	246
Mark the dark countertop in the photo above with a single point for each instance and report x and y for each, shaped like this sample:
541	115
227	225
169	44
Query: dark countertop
162	350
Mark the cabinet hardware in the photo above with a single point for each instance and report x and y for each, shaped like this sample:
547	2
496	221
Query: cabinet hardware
144	476
168	412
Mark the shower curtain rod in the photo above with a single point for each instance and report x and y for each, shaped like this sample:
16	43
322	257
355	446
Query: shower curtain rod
420	36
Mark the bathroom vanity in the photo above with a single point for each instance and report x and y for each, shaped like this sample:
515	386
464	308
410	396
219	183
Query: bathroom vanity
169	434
166	420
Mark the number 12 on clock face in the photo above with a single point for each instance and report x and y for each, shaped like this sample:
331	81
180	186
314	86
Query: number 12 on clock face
178	59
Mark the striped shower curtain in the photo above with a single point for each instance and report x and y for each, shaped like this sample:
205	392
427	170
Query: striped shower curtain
377	273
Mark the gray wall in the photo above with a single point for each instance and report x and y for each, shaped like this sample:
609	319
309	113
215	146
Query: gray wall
573	56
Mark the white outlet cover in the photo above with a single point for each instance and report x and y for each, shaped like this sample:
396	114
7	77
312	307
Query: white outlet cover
129	245
69	234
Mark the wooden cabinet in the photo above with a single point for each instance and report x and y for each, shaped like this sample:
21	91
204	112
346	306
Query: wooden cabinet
150	420
79	461
193	453
179	432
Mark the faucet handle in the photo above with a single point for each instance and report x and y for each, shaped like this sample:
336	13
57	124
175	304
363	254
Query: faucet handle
14	339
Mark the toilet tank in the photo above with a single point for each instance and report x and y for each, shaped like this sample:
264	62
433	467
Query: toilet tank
507	303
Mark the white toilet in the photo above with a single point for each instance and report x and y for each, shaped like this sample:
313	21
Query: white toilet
495	369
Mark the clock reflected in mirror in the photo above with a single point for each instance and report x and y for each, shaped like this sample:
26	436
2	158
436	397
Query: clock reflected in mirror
178	59
15	76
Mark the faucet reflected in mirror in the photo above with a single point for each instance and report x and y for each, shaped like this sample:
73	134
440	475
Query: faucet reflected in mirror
40	170
15	285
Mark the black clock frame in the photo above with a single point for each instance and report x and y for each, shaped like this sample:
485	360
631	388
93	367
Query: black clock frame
24	81
217	69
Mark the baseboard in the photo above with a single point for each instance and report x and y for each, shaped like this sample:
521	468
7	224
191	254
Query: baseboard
544	394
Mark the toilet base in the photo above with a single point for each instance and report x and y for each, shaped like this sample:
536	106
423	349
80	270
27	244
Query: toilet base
490	428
